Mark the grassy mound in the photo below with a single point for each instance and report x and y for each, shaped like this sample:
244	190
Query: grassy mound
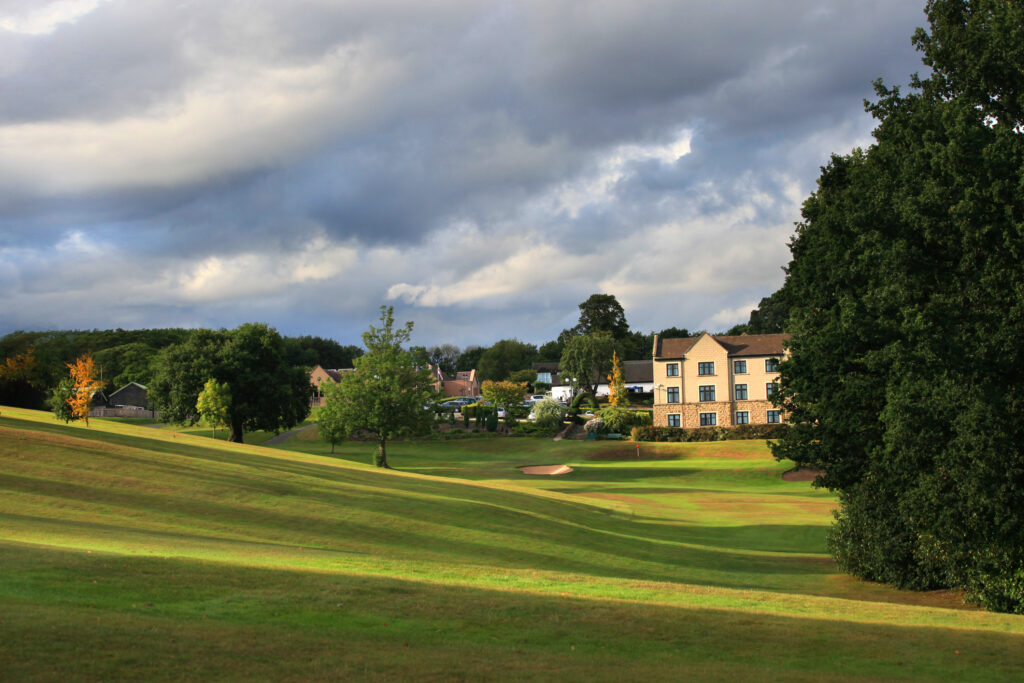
128	552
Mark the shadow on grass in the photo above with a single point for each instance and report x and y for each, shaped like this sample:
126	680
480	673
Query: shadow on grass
155	619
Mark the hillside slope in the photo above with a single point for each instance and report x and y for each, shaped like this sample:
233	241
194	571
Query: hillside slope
128	552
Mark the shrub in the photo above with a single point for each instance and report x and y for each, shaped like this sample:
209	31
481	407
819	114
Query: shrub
577	402
549	413
534	429
674	434
595	425
622	420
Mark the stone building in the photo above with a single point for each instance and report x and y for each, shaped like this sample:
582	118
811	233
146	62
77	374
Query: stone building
716	380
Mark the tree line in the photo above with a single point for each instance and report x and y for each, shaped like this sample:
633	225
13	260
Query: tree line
36	362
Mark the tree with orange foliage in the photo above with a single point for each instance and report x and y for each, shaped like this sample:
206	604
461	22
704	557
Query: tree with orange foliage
617	394
83	375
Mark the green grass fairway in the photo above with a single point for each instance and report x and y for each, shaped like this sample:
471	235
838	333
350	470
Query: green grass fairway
129	552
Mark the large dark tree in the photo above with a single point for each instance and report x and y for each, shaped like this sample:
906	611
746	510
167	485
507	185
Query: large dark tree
504	358
445	356
906	380
309	351
586	361
469	359
602	313
266	392
771	315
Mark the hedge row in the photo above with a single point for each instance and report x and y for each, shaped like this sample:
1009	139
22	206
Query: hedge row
766	431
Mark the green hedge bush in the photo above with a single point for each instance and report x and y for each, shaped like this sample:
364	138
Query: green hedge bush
622	420
650	433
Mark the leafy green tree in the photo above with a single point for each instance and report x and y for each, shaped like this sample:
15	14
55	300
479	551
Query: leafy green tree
213	404
525	377
635	345
469	359
504	358
132	362
602	313
674	333
507	395
266	392
550	352
445	356
549	413
308	351
904	383
770	317
387	393
60	400
330	420
586	360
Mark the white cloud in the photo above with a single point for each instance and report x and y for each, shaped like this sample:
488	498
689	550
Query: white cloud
728	317
241	115
252	275
597	184
46	18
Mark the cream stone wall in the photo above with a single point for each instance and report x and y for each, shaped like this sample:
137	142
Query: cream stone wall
662	381
706	350
756	377
691	416
758	410
724	379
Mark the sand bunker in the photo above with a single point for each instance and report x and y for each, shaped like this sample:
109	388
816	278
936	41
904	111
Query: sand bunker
546	469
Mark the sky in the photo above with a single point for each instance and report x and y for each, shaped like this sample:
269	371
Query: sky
483	167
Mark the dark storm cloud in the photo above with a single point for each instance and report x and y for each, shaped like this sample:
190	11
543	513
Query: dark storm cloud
384	124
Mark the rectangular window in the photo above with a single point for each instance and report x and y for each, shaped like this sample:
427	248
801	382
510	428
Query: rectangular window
707	392
741	392
673	395
706	368
544	377
739	367
742	417
675	420
672	370
771	365
769	389
773	416
708	419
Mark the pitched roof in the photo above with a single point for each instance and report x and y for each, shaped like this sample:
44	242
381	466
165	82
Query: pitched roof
336	374
754	344
634	371
736	345
118	391
674	347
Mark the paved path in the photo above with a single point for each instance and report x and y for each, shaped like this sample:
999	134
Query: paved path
281	438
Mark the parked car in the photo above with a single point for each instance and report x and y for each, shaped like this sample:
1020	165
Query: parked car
537	397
